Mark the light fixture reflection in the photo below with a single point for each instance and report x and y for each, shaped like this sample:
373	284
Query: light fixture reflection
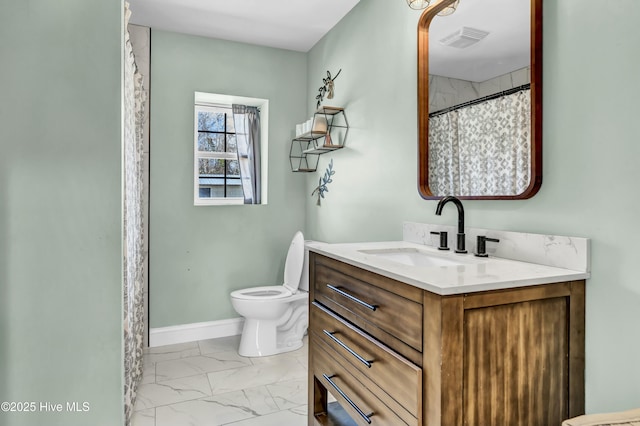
423	4
449	9
418	4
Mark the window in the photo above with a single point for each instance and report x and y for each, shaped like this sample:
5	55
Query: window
218	179
217	154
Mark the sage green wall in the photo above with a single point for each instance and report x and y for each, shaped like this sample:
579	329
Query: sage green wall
591	152
60	210
198	255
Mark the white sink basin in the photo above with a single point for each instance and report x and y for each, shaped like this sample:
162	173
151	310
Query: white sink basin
415	257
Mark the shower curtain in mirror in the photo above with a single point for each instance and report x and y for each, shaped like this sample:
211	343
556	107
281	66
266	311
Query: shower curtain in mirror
482	149
133	324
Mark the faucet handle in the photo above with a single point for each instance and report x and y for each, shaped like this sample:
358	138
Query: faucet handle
444	239
481	246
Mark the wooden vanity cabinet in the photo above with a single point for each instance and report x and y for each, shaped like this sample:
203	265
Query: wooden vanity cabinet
393	354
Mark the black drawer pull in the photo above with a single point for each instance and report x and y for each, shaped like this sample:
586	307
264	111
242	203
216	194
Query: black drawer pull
353	404
350	297
347	348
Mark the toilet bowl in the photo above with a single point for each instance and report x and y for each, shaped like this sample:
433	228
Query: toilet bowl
276	317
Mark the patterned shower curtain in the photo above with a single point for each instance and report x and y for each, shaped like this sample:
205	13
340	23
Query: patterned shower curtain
482	149
133	324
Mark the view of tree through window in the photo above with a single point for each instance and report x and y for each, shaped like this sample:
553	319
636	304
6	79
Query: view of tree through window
218	168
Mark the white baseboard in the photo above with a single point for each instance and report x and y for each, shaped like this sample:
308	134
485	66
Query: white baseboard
192	332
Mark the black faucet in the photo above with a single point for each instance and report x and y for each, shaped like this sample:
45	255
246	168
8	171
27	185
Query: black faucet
460	246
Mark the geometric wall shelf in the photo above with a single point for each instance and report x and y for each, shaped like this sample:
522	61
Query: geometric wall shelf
329	130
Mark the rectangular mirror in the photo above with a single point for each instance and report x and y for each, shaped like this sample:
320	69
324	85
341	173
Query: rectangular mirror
480	99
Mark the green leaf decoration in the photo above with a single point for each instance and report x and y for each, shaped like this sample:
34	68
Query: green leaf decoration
324	181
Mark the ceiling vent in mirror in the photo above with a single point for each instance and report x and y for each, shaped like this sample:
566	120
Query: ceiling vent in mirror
464	37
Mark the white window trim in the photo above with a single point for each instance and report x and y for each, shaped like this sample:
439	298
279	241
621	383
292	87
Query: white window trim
211	99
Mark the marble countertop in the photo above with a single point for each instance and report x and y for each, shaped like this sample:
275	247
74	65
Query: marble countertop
475	274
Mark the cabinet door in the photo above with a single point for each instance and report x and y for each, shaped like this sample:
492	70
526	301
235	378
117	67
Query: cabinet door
516	366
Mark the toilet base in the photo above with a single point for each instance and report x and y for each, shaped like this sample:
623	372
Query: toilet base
265	338
249	349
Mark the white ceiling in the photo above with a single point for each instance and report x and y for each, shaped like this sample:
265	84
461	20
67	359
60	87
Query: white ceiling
287	24
300	24
505	49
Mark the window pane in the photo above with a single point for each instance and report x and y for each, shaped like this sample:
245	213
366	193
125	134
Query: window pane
211	166
230	126
233	168
234	188
211	121
212	191
232	146
210	142
217	192
211	186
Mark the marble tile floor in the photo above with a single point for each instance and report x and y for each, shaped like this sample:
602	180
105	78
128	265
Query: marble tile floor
206	383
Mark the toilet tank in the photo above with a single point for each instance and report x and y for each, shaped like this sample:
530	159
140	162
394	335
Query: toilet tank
304	279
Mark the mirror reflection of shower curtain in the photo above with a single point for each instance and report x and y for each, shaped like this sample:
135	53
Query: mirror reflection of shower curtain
133	255
482	149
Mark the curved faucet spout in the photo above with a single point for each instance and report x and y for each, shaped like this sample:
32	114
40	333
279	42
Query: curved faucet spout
458	203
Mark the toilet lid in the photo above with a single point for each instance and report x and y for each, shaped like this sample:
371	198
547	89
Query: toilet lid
293	264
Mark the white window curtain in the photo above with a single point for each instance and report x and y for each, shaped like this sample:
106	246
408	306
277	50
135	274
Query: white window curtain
247	125
482	149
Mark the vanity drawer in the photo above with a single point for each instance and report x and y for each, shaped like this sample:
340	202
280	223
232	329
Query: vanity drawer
352	394
380	312
391	373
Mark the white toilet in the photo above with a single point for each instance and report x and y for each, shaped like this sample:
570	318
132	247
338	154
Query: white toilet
276	317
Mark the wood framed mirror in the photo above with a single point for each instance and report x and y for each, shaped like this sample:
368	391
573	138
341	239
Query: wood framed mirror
466	148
